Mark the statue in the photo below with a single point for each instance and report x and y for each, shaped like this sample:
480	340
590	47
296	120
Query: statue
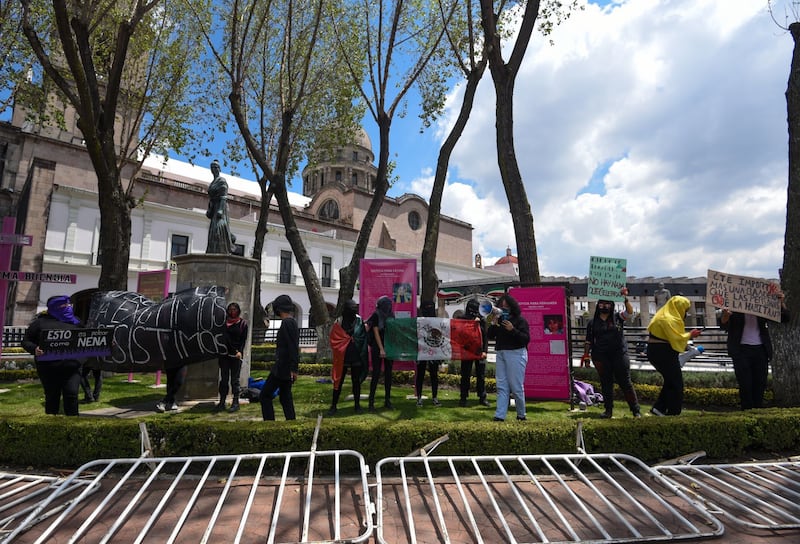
220	237
661	295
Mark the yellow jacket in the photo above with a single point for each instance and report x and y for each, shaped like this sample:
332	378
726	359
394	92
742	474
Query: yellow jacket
668	323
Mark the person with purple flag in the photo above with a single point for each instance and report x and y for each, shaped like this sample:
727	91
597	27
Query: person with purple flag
59	377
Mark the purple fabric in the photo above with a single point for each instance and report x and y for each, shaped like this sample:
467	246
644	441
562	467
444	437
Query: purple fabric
61	309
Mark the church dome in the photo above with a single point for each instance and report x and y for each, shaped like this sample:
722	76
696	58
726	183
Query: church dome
362	139
509	258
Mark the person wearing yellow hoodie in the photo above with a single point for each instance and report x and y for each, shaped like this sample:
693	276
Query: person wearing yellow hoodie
667	339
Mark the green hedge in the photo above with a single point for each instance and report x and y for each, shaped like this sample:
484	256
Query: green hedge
33	442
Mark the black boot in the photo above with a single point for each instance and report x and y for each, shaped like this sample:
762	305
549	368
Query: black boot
334	402
220	406
373	387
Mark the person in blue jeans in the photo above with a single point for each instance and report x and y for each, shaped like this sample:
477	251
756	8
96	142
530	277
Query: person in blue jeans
511	334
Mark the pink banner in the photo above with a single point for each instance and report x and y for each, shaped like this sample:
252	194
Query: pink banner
395	278
547	373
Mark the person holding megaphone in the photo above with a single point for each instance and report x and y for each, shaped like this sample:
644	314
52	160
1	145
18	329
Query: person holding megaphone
511	334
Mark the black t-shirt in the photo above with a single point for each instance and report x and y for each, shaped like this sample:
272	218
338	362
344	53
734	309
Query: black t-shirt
606	335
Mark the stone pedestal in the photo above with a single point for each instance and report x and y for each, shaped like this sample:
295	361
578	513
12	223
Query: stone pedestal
238	275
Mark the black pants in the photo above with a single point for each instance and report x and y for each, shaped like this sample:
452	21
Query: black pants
665	360
433	370
751	368
377	362
230	369
97	374
284	388
480	378
176	377
355	380
60	380
615	367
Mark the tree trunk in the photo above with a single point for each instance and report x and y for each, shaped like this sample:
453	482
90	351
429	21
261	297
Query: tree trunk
430	281
786	336
259	318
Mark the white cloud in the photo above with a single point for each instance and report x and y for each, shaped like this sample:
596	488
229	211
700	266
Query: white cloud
677	109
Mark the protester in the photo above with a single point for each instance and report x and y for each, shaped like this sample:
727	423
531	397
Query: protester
471	311
511	334
377	332
606	343
750	348
667	340
91	395
230	364
176	377
427	309
287	359
349	344
60	377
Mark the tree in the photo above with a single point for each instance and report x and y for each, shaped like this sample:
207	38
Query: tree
15	57
400	41
123	67
287	94
786	336
504	76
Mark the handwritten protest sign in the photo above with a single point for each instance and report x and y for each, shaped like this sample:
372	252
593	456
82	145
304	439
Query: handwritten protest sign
743	294
607	275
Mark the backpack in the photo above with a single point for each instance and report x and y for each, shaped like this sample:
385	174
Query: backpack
360	339
584	392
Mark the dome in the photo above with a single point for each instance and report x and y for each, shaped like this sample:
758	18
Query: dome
509	258
362	139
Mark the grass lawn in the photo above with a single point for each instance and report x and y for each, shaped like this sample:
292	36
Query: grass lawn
311	398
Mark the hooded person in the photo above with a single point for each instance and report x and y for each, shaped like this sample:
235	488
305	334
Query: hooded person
667	339
230	364
609	352
60	376
287	360
472	312
349	344
376	325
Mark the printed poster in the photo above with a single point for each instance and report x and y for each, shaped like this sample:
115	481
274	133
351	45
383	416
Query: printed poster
547	373
395	278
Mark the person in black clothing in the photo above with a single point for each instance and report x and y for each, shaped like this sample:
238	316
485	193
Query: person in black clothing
230	365
377	331
750	348
287	359
609	352
176	377
471	311
60	377
512	335
427	309
355	355
90	395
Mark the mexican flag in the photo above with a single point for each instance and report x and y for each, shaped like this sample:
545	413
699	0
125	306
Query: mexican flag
432	339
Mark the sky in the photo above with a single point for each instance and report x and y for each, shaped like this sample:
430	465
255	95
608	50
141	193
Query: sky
651	130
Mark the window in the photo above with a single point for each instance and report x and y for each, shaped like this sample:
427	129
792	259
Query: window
285	275
329	210
414	220
338	175
179	245
327	271
354	180
321	179
355	155
238	249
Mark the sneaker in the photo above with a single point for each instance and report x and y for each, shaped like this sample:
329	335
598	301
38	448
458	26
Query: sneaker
498	419
388	405
331	411
220	406
161	407
359	410
637	414
483	402
436	402
462	403
522	418
419	402
656	412
606	415
234	408
172	407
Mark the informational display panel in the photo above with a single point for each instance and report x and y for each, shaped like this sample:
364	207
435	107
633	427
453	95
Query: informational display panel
547	373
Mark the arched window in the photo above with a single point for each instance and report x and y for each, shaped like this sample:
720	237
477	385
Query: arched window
329	210
414	220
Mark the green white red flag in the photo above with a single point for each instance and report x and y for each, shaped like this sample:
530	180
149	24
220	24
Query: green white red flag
432	339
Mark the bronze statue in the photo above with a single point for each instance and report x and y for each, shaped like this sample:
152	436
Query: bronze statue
220	237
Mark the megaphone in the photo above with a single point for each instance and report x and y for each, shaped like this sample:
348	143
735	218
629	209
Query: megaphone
490	312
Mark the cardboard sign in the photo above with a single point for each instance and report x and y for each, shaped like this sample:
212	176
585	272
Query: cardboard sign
607	276
58	344
743	294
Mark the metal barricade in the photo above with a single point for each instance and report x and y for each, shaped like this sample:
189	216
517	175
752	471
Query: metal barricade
537	498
